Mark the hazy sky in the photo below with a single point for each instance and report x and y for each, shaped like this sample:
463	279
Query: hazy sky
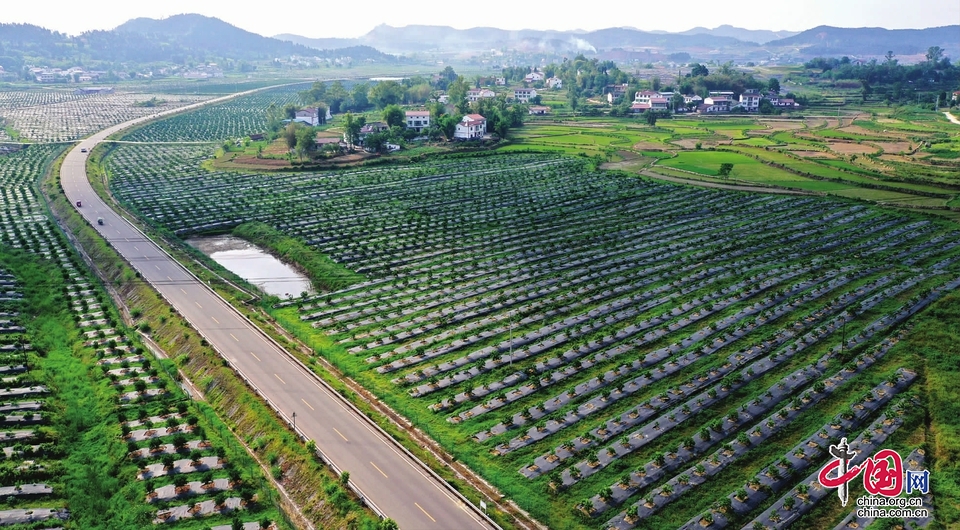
333	18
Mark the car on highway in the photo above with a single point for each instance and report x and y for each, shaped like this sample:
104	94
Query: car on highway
99	220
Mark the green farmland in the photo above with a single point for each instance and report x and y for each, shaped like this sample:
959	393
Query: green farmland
608	351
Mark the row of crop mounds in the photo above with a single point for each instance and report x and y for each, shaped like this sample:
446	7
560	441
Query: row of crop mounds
234	118
579	337
179	469
62	116
29	461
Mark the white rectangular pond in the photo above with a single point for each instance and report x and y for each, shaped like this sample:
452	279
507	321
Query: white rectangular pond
253	264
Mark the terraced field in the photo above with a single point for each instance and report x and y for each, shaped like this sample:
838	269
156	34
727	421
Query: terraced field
598	345
900	157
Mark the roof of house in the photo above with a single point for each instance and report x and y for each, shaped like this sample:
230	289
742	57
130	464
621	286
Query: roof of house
640	106
539	108
417	113
658	100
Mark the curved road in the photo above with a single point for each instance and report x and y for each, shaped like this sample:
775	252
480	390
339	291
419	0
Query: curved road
393	480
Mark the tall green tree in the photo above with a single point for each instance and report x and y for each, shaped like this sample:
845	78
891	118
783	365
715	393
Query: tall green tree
290	135
394	116
336	94
573	97
306	141
677	102
359	96
352	126
317	92
386	93
699	70
773	85
457	92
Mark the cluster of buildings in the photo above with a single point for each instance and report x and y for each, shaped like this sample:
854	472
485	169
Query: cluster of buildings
535	76
74	74
715	102
470	127
522	95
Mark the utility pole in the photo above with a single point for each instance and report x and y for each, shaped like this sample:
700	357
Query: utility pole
294	422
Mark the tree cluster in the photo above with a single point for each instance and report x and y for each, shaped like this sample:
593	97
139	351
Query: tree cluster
936	69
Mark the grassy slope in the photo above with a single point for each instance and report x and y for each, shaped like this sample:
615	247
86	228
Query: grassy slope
936	339
82	410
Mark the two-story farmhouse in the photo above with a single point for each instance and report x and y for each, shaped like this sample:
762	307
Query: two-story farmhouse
471	127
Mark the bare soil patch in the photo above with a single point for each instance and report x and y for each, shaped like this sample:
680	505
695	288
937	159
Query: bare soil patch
894	147
691	143
849	148
651	146
782	125
813	154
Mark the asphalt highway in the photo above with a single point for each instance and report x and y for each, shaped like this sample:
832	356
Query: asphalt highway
391	479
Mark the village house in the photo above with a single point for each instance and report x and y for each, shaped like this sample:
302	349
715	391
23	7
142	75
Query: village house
524	95
418	119
615	91
368	129
309	116
554	82
660	104
692	101
501	81
476	94
956	96
472	126
780	102
324	141
750	100
539	110
641	101
713	104
533	77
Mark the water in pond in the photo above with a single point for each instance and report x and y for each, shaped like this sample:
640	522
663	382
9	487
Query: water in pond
253	264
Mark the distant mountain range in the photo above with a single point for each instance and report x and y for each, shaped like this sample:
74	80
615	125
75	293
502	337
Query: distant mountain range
175	39
183	38
828	40
760	36
723	41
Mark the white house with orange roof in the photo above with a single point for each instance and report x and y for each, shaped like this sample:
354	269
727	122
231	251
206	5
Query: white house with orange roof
471	127
417	119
